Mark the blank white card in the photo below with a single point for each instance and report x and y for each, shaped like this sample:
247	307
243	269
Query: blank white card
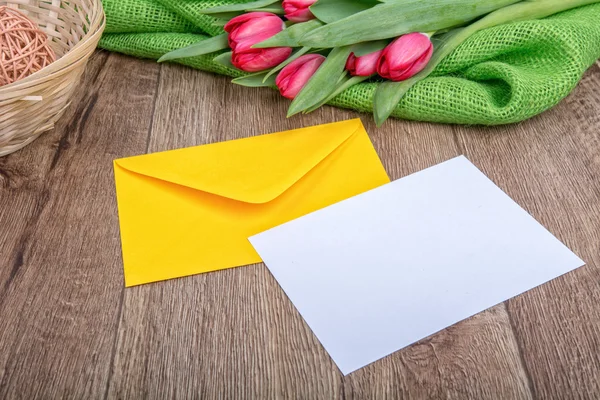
382	270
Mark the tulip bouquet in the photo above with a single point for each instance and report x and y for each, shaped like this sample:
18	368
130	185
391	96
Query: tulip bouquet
313	50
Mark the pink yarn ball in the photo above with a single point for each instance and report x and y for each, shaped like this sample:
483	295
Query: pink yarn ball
24	46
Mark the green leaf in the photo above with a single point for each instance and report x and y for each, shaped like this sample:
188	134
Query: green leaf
227	15
289	37
237	7
323	82
273	8
220	22
329	11
387	96
364	48
390	20
258	79
197	49
342	85
293	57
224	59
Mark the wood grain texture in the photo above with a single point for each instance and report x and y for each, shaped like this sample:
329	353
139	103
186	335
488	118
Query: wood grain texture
70	330
60	276
235	333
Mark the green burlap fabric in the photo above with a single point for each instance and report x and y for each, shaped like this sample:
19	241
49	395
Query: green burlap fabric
501	75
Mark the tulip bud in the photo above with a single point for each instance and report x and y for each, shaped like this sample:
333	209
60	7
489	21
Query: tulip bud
297	10
405	57
296	74
248	29
363	65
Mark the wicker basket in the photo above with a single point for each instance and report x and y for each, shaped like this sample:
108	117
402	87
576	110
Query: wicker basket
32	105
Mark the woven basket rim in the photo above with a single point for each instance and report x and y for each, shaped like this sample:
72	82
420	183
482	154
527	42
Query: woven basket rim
32	106
97	25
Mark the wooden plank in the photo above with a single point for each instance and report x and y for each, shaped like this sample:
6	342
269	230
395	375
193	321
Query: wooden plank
62	295
551	166
234	334
22	177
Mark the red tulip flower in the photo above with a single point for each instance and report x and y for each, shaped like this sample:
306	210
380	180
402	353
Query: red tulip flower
294	76
405	57
364	65
249	29
297	10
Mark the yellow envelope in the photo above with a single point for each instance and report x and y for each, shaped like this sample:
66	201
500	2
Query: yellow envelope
190	211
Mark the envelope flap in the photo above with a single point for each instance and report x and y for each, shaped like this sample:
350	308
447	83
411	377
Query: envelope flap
252	170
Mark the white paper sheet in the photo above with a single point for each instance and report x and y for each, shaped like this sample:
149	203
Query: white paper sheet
382	270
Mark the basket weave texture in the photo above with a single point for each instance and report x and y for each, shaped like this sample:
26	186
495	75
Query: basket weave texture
31	106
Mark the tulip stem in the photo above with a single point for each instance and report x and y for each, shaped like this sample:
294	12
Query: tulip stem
197	49
258	79
388	94
348	83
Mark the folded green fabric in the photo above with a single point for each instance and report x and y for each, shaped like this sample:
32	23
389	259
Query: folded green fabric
500	75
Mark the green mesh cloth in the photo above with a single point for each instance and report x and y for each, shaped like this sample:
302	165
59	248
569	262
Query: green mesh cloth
501	75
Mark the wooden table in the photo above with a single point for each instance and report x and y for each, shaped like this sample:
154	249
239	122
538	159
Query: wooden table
69	329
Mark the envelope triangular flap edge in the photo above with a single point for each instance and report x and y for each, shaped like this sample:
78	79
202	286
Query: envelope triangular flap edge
252	170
